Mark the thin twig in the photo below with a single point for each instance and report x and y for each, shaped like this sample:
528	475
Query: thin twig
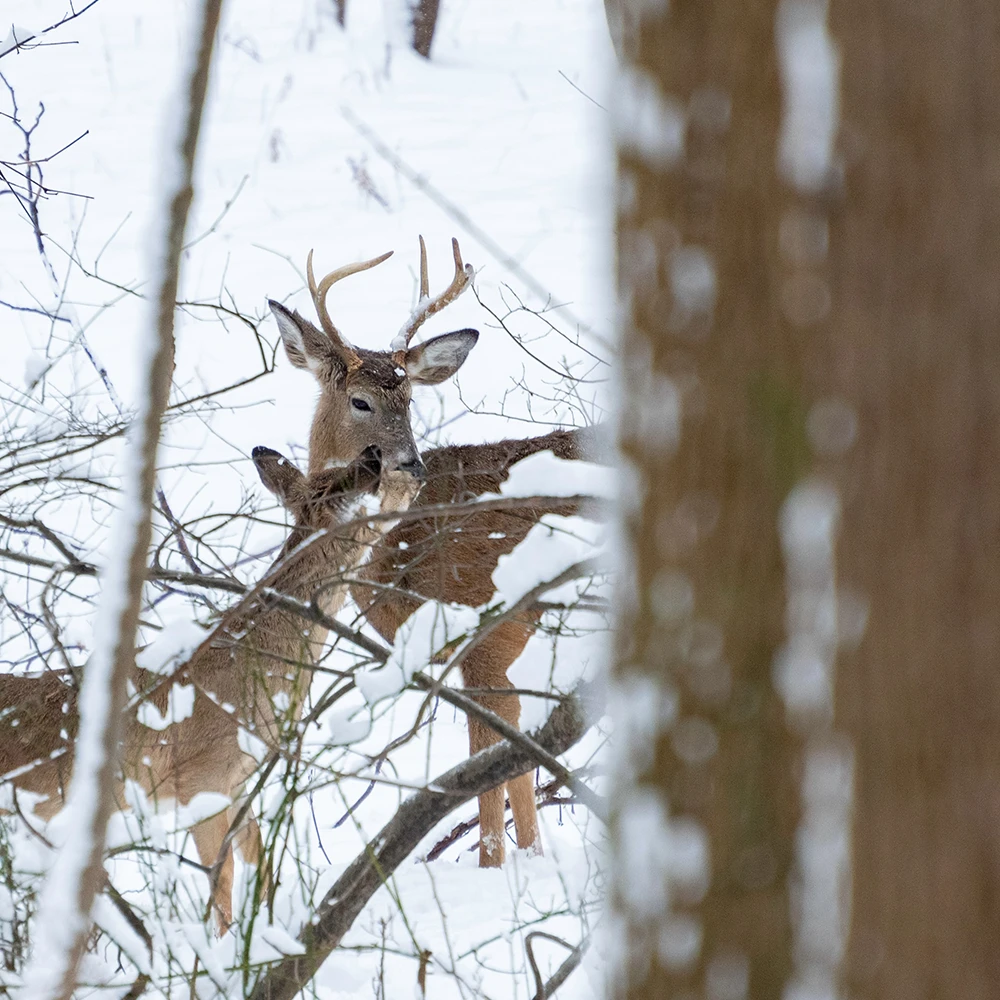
418	815
451	209
22	43
546	989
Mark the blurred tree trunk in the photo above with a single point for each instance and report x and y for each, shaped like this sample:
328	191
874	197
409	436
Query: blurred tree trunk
918	356
341	8
425	14
708	800
621	26
828	498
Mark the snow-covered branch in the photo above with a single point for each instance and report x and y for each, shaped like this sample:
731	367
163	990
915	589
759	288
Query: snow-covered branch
399	837
78	873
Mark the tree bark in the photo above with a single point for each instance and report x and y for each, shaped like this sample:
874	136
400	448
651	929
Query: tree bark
918	356
715	385
822	521
425	14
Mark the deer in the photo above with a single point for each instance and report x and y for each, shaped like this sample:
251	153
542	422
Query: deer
364	398
250	672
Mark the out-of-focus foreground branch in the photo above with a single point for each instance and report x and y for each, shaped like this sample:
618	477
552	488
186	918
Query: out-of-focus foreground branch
78	873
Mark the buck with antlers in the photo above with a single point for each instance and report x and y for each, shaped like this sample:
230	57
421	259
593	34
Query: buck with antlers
246	673
364	399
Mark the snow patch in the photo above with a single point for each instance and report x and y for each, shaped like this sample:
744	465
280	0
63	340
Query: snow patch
551	547
16	35
35	365
202	806
180	706
543	474
419	640
347	726
647	122
173	645
810	78
252	746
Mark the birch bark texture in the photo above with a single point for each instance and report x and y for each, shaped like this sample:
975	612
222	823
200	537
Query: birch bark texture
63	923
804	684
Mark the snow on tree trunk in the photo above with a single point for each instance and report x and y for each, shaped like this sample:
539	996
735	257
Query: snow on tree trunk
729	770
63	922
917	357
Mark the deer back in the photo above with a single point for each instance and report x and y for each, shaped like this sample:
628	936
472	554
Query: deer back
451	557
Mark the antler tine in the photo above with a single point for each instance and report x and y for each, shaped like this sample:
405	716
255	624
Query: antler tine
425	287
320	291
427	306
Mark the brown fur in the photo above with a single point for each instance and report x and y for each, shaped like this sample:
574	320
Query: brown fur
247	662
452	558
448	558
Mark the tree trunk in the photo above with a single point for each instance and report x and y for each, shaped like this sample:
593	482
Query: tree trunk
714	385
918	357
805	678
425	14
621	26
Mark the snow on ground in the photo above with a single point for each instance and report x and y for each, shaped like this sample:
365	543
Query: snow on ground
503	123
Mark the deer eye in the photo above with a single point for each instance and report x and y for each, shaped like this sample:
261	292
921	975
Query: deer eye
360	404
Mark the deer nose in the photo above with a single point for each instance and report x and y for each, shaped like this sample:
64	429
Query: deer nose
415	468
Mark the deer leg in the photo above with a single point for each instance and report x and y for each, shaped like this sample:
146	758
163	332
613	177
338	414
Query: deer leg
521	791
208	836
491	803
486	667
251	847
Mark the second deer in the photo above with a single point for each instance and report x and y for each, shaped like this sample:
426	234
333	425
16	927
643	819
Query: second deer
246	673
364	400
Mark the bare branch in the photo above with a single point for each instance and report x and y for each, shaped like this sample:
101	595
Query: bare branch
480	235
20	43
546	989
78	872
538	755
400	836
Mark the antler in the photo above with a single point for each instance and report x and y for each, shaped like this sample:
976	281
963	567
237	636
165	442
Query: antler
426	306
319	293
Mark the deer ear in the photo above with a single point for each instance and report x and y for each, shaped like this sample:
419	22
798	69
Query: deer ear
440	357
305	346
276	472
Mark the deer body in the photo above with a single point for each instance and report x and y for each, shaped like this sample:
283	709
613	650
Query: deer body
247	674
364	400
452	558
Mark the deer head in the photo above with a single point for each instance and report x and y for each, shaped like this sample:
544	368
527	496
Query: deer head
331	497
323	499
365	395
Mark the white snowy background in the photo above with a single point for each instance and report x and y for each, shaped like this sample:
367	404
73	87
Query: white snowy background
505	122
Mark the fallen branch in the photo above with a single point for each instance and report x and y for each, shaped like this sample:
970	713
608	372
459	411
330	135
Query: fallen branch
537	754
417	816
545	795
